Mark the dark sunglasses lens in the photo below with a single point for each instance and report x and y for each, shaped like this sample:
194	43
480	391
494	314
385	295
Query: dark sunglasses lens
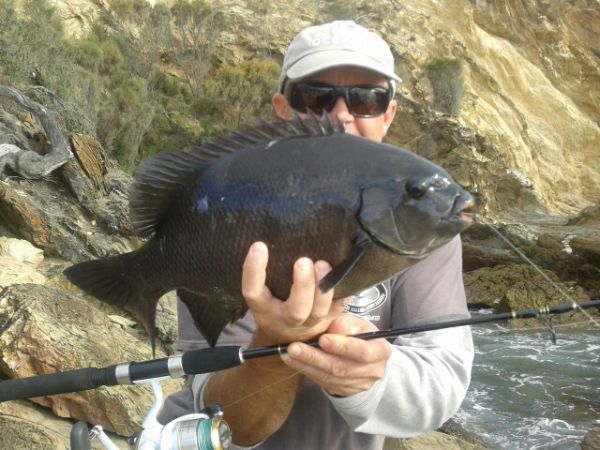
304	97
362	101
368	101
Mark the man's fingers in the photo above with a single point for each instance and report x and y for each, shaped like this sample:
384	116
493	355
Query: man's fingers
254	275
338	340
300	303
338	375
355	349
322	301
293	319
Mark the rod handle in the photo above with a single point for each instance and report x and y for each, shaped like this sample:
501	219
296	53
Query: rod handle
213	359
56	383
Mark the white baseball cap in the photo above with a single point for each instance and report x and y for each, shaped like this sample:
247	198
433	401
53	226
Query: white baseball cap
339	43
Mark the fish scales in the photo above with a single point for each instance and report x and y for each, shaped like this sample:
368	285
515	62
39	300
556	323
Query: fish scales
304	188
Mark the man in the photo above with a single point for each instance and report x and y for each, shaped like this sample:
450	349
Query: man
349	393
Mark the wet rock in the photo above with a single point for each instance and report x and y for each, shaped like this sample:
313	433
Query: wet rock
592	439
571	250
431	440
517	286
451	435
506	288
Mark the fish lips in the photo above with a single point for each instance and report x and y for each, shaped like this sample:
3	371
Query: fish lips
462	213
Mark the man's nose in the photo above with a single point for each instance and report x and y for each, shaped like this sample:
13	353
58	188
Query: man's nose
340	110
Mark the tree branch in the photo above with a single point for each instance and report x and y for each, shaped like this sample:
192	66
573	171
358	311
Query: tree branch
29	164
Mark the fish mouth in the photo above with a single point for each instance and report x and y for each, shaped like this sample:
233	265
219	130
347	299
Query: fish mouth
462	213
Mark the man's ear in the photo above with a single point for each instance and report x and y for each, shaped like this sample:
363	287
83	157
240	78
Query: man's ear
388	116
281	106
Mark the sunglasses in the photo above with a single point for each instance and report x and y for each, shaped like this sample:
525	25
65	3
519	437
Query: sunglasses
362	101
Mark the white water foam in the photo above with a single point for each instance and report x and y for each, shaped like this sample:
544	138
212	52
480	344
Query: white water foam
529	394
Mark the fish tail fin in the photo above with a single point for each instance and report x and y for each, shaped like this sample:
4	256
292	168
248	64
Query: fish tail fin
114	280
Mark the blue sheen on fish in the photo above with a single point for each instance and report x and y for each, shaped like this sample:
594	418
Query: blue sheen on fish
305	188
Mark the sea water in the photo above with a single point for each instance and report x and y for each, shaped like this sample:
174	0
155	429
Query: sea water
528	393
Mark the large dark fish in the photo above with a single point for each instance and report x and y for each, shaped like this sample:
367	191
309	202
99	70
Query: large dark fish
305	188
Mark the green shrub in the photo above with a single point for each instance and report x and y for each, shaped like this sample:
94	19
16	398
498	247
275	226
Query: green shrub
125	117
87	53
242	93
145	79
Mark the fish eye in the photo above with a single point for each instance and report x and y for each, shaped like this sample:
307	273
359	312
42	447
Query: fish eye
415	189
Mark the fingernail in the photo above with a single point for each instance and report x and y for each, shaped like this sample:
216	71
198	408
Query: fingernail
325	342
258	248
322	268
286	359
294	351
347	301
303	264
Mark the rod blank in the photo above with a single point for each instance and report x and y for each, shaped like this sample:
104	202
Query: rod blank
219	358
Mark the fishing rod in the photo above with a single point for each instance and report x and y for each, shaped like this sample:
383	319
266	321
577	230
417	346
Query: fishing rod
213	359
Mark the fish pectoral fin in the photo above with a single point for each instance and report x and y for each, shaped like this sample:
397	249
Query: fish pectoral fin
211	315
342	270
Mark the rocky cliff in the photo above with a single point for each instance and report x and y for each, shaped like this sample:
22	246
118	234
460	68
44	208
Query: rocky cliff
504	94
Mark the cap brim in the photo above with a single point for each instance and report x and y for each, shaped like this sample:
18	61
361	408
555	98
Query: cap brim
317	62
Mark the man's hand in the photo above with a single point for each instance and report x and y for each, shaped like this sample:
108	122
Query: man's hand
342	365
306	313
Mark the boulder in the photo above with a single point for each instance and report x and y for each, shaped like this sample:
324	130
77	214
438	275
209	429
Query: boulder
32	344
26	426
432	440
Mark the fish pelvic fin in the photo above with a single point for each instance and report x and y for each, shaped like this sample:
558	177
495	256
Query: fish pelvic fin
211	315
113	281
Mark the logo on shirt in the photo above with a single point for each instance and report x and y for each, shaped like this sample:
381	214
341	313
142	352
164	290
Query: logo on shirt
368	300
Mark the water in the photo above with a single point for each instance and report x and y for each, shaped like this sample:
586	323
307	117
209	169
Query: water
527	393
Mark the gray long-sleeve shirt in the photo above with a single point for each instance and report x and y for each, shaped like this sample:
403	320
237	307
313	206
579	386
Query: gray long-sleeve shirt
426	378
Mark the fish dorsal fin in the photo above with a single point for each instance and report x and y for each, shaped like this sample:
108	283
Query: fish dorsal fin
265	132
160	178
157	182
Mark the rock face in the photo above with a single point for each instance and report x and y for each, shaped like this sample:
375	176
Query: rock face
26	426
517	286
516	84
527	95
504	94
18	262
31	343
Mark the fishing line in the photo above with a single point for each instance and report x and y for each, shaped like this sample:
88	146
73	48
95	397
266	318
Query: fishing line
264	388
545	276
548	326
208	360
501	330
214	359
